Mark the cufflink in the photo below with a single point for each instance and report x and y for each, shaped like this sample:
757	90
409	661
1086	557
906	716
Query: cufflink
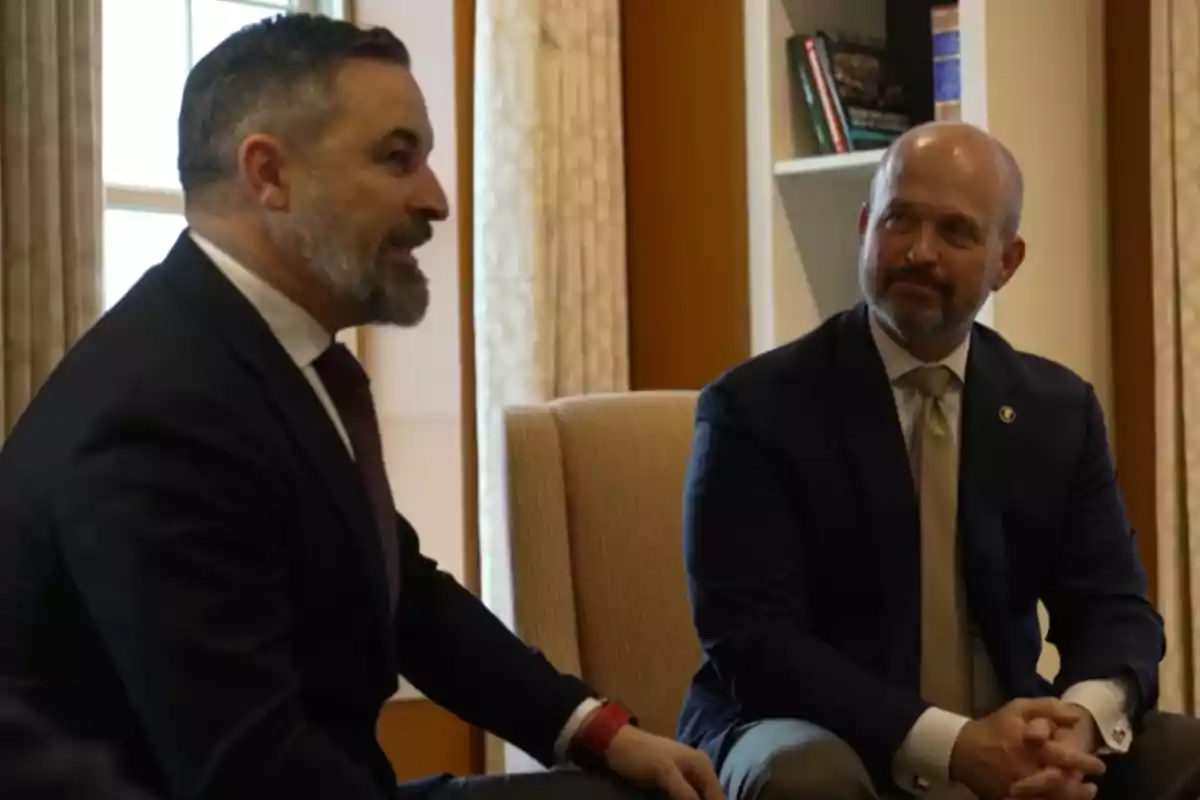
920	784
1119	734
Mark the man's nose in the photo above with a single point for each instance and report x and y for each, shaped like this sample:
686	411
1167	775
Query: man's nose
924	246
430	198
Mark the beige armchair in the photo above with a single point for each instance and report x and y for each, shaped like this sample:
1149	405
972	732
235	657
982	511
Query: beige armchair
594	491
594	496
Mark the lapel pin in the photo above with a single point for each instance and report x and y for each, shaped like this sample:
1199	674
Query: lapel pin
1007	415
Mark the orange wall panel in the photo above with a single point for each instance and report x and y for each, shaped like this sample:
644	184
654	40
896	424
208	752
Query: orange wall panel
1127	67
685	150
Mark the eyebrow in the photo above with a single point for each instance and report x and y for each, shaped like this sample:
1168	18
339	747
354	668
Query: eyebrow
945	213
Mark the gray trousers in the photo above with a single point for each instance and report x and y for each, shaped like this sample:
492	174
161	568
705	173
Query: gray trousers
552	785
788	759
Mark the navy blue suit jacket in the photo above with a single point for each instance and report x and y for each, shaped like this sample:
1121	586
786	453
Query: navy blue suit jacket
802	543
190	571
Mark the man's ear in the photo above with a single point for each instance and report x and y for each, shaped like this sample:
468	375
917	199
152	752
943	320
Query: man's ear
1011	259
261	166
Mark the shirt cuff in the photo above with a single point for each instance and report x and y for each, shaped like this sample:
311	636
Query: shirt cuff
581	712
923	759
1105	701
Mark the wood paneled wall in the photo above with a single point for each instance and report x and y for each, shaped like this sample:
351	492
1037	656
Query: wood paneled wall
685	150
1127	72
464	103
464	109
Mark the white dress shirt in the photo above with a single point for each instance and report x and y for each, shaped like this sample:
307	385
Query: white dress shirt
303	338
924	758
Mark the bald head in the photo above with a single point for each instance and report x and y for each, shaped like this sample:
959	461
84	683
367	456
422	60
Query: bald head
966	152
940	234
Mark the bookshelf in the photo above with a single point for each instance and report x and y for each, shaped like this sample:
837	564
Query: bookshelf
1031	73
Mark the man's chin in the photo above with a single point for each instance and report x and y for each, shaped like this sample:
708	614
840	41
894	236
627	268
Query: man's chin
403	312
912	317
916	324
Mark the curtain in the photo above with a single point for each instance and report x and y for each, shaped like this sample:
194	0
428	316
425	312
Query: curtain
549	233
50	188
1175	205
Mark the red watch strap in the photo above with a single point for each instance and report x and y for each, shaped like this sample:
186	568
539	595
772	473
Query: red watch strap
601	728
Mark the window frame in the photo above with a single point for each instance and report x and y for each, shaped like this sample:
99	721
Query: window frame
151	199
170	201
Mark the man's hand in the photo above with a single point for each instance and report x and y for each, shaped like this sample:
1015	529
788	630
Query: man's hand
992	755
653	762
1052	782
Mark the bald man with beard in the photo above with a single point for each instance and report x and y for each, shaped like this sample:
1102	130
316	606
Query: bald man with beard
874	511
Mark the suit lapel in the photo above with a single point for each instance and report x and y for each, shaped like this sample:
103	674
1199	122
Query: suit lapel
252	342
867	418
991	386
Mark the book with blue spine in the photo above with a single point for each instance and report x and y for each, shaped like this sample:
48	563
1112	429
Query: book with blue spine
947	73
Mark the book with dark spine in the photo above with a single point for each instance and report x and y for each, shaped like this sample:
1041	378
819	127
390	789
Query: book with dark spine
869	89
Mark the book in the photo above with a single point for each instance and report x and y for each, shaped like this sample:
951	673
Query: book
947	75
805	81
870	97
827	93
849	89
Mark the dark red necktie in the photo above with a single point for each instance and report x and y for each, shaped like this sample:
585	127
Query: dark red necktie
350	389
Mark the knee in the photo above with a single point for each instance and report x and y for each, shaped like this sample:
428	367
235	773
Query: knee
826	769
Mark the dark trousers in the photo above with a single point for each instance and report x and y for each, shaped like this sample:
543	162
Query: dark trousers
552	785
795	760
1162	764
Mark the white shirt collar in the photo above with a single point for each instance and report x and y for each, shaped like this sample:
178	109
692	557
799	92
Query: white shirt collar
899	362
301	336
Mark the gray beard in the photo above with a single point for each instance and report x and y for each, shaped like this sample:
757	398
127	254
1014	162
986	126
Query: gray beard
378	295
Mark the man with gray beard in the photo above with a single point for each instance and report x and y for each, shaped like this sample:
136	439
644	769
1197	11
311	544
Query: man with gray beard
200	564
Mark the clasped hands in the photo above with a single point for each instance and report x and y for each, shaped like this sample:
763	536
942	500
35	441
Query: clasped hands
1031	748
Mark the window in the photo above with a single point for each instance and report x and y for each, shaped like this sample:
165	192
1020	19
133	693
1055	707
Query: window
142	80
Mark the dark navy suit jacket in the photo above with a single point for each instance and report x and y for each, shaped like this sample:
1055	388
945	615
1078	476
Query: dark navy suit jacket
190	571
802	541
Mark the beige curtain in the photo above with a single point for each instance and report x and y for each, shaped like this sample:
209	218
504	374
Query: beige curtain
50	188
549	238
1175	187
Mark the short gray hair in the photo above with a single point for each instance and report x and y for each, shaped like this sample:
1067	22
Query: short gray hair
274	76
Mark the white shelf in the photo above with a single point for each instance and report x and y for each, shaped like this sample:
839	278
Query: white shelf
863	161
